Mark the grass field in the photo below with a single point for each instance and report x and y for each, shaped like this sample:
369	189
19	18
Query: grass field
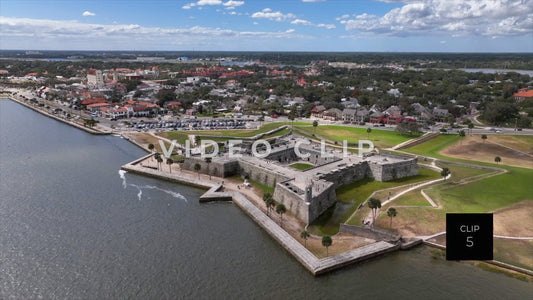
349	197
301	166
380	138
484	195
474	148
434	145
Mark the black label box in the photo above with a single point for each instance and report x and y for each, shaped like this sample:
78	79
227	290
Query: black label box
469	237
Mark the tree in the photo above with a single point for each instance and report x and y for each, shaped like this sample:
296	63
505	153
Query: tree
197	140
151	147
270	203
374	204
497	159
208	161
391	212
266	197
327	242
484	137
169	163
157	157
315	124
470	127
304	235
197	168
445	172
291	118
159	161
368	131
462	135
281	209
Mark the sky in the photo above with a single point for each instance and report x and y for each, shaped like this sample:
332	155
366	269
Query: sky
269	25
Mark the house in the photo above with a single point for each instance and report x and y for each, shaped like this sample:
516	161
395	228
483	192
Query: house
422	113
317	111
173	105
89	101
377	117
348	115
441	114
523	94
350	103
362	114
332	114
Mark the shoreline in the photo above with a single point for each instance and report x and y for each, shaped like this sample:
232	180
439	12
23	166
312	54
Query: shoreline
47	114
316	266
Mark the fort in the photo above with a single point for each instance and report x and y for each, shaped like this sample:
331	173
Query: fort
306	193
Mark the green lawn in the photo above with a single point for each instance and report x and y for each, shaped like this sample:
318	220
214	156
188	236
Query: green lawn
350	196
301	166
434	145
479	196
380	138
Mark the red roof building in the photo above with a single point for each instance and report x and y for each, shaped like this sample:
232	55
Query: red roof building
523	94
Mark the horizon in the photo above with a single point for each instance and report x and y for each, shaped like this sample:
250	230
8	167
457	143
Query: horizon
366	26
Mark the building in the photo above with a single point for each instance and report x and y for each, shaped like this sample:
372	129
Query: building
317	111
95	78
332	114
523	95
306	193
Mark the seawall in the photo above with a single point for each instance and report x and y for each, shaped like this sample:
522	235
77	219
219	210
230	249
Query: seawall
86	129
316	266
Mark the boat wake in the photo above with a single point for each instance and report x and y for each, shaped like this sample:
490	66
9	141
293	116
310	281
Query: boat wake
125	184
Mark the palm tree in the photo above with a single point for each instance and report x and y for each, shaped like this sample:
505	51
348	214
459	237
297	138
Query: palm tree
270	203
304	235
197	168
497	159
368	131
315	124
326	242
208	161
157	155
445	172
374	204
470	127
462	135
391	212
267	196
159	161
169	163
281	209
151	147
291	118
484	137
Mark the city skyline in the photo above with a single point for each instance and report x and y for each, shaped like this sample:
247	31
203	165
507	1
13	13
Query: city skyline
296	25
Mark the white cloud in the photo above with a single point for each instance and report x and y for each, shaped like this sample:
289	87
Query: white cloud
209	2
278	16
455	17
231	4
327	26
301	22
309	23
346	16
53	34
88	14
